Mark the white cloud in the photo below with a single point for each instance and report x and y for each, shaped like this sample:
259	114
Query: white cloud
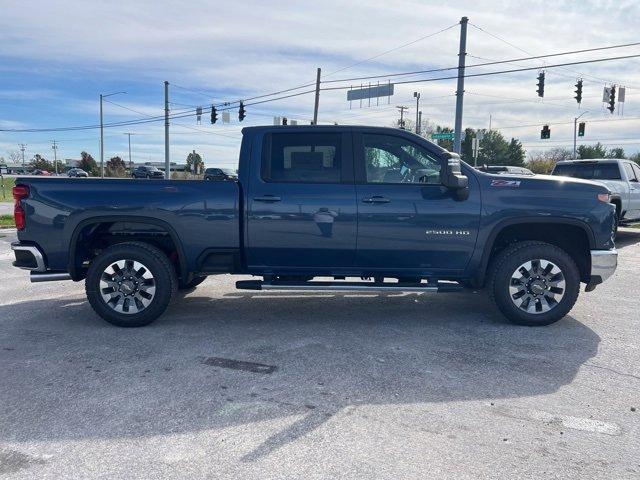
237	49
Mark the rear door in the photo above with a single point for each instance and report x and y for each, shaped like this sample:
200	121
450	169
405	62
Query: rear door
301	202
407	220
633	175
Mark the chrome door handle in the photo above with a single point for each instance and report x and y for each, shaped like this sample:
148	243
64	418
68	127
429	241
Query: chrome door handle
267	198
376	199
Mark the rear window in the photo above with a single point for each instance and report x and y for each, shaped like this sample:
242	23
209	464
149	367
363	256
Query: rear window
589	171
302	158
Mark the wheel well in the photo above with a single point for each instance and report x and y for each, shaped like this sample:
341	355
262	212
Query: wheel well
91	239
618	203
570	238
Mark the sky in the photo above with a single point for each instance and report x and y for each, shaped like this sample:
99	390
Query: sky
57	57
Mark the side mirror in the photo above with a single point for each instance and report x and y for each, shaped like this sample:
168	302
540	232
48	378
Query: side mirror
452	176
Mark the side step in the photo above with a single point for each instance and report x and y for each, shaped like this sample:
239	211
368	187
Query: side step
440	287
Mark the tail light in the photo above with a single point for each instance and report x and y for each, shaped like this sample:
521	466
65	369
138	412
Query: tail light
20	192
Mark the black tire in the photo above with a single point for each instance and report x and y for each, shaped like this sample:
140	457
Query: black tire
194	282
616	224
500	279
159	266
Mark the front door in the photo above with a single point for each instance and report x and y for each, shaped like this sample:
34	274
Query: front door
406	219
301	205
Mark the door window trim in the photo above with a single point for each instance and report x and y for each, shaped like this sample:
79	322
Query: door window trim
360	168
346	159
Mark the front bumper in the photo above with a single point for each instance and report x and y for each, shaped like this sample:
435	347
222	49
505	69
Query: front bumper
603	265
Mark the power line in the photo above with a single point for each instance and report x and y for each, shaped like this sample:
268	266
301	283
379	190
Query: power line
393	49
500	72
524	51
488	63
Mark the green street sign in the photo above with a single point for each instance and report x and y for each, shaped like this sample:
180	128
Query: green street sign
442	136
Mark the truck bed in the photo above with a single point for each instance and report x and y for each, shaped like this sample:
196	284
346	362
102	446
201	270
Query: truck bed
205	216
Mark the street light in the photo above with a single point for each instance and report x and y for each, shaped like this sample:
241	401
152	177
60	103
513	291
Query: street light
575	123
416	95
102	132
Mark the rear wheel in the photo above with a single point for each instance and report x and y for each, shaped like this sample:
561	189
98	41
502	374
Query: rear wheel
130	284
534	283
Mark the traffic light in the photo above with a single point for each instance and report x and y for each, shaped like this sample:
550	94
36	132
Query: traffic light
612	99
241	112
284	120
214	115
545	132
540	84
578	96
581	126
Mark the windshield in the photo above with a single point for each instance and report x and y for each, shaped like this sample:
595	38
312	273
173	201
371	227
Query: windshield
229	171
589	171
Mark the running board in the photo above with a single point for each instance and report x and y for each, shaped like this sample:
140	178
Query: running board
37	277
348	286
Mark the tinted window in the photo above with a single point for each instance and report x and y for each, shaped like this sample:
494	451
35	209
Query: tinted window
390	159
303	157
630	173
589	171
636	169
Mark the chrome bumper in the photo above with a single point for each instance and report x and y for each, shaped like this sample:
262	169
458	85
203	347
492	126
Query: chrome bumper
603	265
38	259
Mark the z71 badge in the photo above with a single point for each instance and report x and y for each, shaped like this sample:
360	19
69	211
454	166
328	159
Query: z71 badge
505	183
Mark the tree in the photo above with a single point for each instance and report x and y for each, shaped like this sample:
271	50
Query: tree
515	153
115	167
194	160
595	151
467	146
543	162
635	157
15	156
38	162
88	164
617	152
494	149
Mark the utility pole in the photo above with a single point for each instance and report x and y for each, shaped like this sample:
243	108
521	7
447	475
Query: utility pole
416	95
402	108
457	139
419	129
129	135
575	134
102	132
55	156
23	147
317	104
167	165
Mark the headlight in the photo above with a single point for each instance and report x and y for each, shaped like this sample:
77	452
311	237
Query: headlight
604	197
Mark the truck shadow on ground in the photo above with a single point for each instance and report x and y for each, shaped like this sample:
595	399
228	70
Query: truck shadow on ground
627	237
68	375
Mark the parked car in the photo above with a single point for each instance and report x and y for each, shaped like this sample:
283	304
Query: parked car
620	176
383	206
147	171
220	174
77	172
40	172
505	170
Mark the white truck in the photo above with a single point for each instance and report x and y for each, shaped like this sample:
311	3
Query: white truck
620	176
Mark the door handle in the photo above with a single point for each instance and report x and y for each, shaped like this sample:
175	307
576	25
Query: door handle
267	198
376	199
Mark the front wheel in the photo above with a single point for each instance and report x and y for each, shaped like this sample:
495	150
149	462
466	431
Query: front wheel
130	284
534	283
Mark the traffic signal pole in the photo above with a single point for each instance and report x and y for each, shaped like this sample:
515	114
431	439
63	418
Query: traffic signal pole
575	134
167	165
457	139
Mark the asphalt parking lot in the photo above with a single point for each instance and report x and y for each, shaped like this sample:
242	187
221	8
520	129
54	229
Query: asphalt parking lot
232	384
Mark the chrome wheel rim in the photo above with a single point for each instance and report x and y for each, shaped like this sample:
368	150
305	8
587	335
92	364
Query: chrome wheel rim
537	286
127	286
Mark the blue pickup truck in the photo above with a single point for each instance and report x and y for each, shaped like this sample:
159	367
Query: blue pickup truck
322	208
